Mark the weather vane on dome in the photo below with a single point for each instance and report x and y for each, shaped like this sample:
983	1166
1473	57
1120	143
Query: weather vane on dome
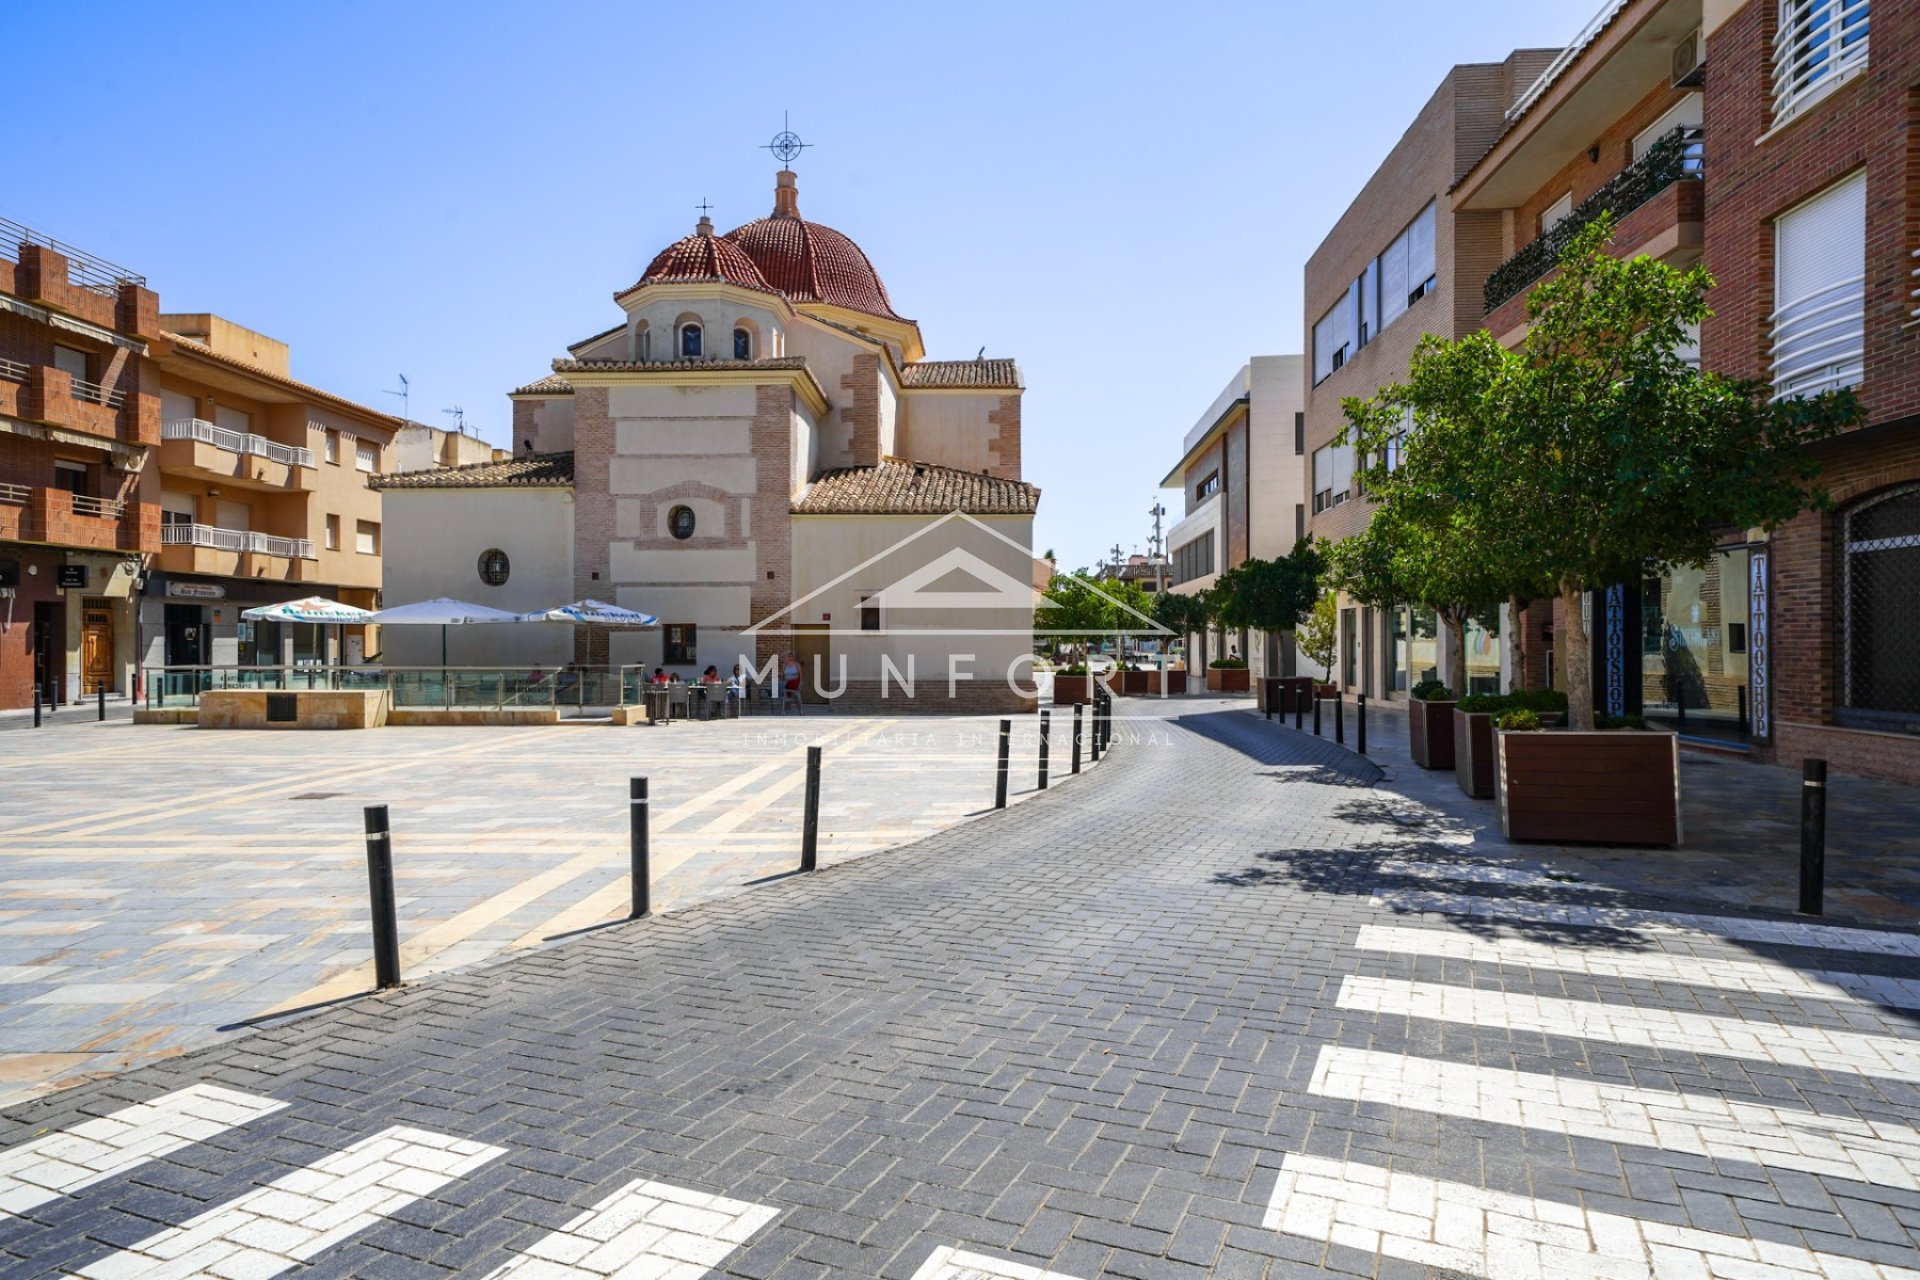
786	145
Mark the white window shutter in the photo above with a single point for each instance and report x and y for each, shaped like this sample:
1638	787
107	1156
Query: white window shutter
1819	318
1420	252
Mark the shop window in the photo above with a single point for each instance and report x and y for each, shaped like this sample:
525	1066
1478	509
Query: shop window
1880	611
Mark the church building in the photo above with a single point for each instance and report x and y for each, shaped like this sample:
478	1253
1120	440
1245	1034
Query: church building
760	454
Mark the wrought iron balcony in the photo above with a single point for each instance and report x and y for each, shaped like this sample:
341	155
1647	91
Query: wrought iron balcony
83	269
1676	157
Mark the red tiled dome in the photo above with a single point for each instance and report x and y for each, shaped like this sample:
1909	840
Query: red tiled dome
702	256
809	262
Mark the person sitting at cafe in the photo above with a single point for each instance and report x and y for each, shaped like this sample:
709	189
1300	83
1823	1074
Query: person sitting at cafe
710	676
660	676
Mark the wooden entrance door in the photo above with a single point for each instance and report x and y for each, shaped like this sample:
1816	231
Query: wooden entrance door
96	646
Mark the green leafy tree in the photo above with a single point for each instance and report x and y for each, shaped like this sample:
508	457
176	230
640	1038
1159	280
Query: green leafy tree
1592	455
1271	595
1074	610
1317	634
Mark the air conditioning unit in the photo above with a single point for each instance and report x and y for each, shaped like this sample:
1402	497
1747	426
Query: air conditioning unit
1689	62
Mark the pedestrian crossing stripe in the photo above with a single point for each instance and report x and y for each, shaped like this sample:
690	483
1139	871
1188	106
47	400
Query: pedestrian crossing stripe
644	1231
1877	1153
955	1264
1513	1237
1786	933
1817	1048
46	1169
296	1217
1724	975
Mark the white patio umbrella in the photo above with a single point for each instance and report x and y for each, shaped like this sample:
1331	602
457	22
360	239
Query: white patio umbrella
592	613
443	613
317	610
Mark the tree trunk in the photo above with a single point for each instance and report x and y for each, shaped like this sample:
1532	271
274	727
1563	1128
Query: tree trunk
1579	659
1517	642
1456	625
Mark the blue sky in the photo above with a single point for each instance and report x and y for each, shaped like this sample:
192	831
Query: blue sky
1120	195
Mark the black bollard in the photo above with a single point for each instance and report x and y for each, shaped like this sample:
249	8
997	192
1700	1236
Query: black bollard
1269	694
1813	837
1316	714
1362	718
386	927
1680	704
36	704
1044	725
1076	737
1741	694
100	694
637	843
1093	728
810	832
1299	706
1340	719
1000	778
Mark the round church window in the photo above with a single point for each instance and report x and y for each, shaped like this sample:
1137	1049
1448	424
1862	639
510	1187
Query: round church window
680	522
494	567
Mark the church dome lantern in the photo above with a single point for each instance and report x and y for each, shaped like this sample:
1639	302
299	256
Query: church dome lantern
810	262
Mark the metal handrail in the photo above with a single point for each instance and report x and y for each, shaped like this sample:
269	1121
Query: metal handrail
207	535
83	268
94	393
240	442
15	493
103	508
14	371
1678	155
1574	49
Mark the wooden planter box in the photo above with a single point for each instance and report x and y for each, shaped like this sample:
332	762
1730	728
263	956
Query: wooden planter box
1229	680
1128	682
1068	690
1430	733
1612	786
1473	753
1174	681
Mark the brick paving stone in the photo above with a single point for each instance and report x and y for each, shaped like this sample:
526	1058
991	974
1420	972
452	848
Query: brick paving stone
1085	1038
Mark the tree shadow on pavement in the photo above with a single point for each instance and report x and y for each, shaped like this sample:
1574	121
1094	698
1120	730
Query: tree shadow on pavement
1327	763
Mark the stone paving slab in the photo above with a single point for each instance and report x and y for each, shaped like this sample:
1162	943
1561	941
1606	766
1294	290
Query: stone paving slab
1146	1026
158	883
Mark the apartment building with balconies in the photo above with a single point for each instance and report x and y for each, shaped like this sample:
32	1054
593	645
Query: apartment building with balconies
1239	474
1614	127
79	416
1401	263
262	490
1813	233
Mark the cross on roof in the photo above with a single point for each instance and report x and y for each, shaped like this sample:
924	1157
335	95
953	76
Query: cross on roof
704	207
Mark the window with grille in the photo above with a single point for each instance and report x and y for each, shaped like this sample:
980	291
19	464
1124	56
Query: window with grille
1816	43
681	649
1880	611
1820	291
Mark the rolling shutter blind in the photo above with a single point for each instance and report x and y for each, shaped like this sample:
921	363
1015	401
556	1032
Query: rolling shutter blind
1393	281
1420	259
1819	318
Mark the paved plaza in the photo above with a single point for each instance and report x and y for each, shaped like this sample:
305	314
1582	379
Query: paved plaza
158	883
1224	1007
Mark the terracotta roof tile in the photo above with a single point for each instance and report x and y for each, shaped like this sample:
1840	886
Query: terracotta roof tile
702	256
653	366
810	262
962	373
528	471
551	385
899	486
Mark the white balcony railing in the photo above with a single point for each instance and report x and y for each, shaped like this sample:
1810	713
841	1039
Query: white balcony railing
235	441
206	535
15	494
14	371
94	393
100	508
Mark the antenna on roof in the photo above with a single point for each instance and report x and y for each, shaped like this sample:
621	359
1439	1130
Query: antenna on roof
459	418
980	354
406	388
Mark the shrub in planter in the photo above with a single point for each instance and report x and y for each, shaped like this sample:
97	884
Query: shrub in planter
1430	731
1229	675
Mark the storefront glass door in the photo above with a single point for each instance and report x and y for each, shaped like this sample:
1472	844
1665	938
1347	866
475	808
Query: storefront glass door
1693	664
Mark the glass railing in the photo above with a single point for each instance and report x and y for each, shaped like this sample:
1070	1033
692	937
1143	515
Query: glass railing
463	688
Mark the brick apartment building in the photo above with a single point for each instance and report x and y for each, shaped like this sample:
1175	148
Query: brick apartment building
1775	140
79	413
1400	263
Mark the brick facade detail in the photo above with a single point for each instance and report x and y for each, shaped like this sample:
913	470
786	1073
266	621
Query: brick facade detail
770	522
1004	445
861	413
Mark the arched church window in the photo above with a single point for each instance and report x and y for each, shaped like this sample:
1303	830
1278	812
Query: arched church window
689	340
1880	605
742	345
646	344
680	522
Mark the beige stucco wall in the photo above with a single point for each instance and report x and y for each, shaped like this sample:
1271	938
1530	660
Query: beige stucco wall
717	315
837	559
949	428
542	425
1276	475
436	539
341	489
